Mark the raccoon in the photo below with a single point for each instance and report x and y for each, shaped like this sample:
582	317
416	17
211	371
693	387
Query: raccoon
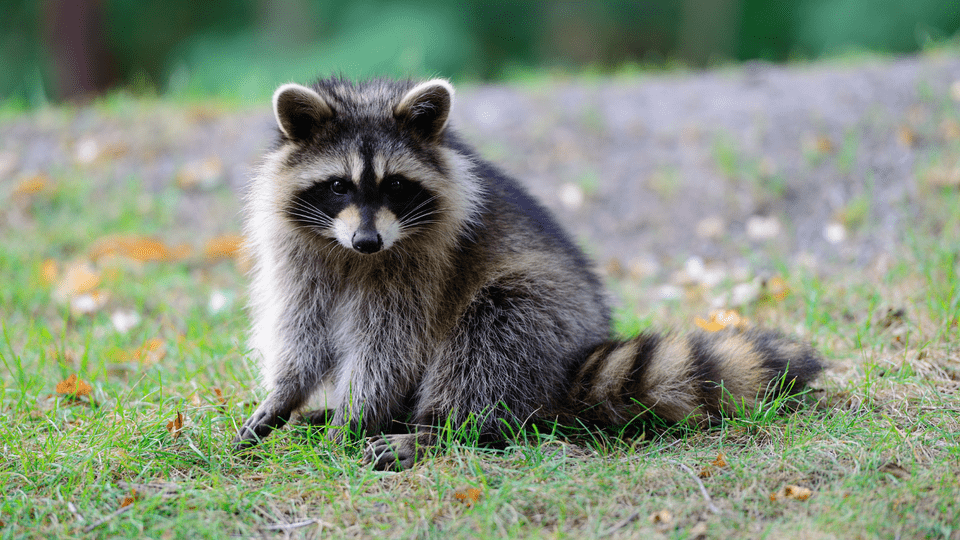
401	282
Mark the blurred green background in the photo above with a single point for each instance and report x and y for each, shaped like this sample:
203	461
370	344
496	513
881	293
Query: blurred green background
241	49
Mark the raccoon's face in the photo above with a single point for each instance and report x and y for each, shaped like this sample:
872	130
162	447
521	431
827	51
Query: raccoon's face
367	216
364	164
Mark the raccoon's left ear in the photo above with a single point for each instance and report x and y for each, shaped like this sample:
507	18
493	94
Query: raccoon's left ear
425	109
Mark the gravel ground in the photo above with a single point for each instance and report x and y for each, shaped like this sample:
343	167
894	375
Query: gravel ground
818	164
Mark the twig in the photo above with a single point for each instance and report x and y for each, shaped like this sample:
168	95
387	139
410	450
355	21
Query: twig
623	523
297	525
703	490
112	515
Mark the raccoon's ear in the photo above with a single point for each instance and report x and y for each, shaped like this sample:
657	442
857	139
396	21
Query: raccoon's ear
425	109
300	111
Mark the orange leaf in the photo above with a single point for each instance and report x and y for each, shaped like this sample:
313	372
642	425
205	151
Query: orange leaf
469	495
222	247
72	386
150	353
130	499
139	248
796	493
709	326
32	185
777	287
49	271
718	463
79	279
175	426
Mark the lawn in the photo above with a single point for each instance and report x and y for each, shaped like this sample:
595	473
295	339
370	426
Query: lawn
125	375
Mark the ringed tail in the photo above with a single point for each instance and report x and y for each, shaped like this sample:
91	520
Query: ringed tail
695	378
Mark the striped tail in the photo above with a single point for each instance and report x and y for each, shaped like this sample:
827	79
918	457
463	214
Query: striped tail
697	378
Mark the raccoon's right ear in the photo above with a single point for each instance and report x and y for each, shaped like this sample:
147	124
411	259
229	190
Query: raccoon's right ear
300	111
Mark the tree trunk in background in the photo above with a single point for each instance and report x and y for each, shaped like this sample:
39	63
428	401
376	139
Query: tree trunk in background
708	31
75	36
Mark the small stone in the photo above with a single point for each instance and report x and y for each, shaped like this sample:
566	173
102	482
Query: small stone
763	227
86	151
124	320
711	228
835	233
571	196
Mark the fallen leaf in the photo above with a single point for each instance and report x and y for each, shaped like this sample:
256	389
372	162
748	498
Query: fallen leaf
663	517
33	185
719	463
709	326
468	496
73	386
223	247
49	271
906	136
130	499
80	278
896	470
729	317
139	248
777	288
151	352
797	493
175	426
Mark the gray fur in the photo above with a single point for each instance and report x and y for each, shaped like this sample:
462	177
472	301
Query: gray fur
478	307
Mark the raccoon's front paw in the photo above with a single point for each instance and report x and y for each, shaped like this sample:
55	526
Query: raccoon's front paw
263	421
396	452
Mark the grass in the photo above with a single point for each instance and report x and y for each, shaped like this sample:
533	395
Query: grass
877	442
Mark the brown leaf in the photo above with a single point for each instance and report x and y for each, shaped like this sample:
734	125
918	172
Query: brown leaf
175	426
150	353
223	247
797	493
896	470
139	248
663	517
906	136
777	288
73	386
468	496
49	271
130	499
33	185
719	463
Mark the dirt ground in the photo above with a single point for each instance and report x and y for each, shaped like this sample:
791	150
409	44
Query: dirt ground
815	164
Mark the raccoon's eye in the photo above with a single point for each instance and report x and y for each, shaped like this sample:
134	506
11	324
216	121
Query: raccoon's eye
396	185
340	187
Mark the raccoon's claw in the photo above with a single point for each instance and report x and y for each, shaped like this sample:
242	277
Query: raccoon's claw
396	452
255	428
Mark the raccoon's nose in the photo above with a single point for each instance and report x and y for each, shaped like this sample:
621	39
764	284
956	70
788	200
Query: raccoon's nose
367	242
